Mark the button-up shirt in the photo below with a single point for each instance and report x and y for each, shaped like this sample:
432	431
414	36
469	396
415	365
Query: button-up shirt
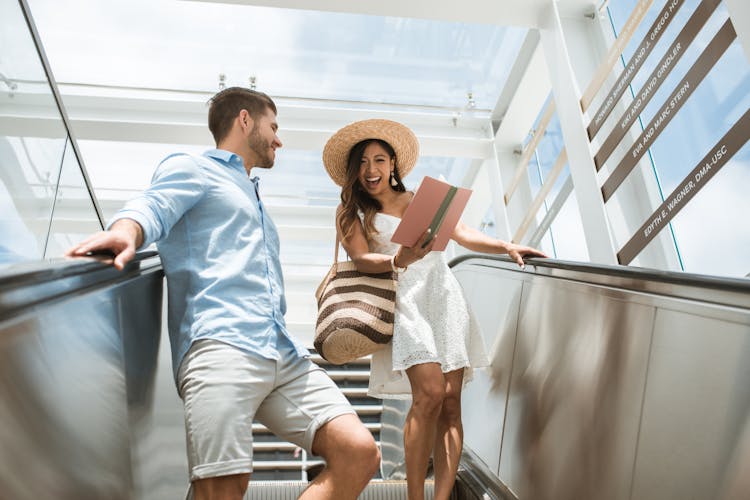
220	253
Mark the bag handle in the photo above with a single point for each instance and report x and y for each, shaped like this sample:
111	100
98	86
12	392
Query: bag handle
336	250
335	254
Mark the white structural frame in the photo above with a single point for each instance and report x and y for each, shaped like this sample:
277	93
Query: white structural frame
580	160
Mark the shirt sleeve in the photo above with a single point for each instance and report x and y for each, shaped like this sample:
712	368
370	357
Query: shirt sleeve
176	187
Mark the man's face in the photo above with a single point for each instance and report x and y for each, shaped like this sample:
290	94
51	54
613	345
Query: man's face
263	140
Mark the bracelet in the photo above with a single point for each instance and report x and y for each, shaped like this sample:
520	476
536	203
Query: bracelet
395	268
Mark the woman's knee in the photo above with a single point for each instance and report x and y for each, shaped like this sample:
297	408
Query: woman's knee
429	399
451	409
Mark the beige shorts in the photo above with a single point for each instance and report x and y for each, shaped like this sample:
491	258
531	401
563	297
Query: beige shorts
223	389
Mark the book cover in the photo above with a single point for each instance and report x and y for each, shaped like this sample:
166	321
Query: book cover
437	205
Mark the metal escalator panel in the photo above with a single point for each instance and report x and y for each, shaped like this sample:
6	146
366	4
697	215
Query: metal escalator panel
77	357
609	382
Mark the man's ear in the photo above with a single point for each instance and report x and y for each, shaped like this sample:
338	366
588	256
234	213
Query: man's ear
245	120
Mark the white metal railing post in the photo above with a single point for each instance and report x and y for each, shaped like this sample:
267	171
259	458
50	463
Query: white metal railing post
567	97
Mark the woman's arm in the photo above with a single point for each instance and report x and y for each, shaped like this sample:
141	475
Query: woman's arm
477	241
368	262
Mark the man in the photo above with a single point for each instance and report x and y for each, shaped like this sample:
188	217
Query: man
232	355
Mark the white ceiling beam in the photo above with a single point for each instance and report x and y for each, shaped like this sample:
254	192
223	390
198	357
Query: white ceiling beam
501	12
526	103
168	120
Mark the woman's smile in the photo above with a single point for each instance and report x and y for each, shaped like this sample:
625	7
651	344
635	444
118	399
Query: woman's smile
375	168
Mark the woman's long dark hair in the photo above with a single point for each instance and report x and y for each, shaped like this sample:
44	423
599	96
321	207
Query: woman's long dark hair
355	198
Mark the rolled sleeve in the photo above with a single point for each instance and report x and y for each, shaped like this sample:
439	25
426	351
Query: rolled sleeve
176	186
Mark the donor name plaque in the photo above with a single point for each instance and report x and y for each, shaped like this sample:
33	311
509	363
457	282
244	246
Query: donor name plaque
716	158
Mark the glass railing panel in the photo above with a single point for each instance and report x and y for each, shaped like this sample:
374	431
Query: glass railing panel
567	230
32	142
74	217
29	170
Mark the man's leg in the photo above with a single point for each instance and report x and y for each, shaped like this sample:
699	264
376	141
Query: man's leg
221	488
221	387
352	459
306	408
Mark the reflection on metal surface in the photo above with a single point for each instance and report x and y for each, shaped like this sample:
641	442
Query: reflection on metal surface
578	372
392	438
64	413
76	373
620	384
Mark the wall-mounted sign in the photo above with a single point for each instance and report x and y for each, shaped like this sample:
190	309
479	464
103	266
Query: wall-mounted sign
613	54
655	32
707	60
656	78
716	158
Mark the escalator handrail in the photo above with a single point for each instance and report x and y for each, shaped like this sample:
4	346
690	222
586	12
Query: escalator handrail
28	285
476	477
727	291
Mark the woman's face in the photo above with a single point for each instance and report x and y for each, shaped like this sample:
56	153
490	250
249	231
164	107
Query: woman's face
375	169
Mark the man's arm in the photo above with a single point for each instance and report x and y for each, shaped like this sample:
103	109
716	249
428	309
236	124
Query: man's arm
122	239
176	186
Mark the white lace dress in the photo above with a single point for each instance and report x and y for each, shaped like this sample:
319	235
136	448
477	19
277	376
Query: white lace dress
432	323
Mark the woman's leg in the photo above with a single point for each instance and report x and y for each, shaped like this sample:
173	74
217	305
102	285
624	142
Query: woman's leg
428	390
449	436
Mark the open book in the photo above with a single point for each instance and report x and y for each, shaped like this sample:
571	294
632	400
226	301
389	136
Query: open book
436	205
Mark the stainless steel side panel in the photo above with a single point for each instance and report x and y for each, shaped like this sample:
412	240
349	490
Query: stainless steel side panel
696	408
76	382
495	304
578	376
609	383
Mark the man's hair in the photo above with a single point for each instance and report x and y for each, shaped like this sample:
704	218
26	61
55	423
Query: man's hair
227	104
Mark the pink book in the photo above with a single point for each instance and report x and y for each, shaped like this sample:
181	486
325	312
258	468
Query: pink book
436	205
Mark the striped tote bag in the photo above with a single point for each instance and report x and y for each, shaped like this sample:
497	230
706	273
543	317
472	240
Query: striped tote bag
355	312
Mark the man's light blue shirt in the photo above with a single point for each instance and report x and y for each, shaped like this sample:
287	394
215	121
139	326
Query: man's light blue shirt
220	253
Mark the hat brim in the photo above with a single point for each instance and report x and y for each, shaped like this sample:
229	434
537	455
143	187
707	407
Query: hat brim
400	137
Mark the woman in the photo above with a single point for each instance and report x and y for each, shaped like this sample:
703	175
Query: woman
436	341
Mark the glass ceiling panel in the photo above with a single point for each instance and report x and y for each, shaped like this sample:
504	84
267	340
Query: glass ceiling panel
172	44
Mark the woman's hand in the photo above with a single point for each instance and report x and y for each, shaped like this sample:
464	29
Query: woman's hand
518	252
409	255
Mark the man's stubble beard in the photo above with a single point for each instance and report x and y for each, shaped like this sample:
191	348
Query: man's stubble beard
261	148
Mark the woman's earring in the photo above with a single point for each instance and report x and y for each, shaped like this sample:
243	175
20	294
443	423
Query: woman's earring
394	182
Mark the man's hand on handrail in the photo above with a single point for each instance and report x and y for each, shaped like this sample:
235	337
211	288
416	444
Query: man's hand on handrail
119	243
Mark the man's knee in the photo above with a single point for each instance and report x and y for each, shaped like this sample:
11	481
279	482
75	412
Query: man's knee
366	453
344	442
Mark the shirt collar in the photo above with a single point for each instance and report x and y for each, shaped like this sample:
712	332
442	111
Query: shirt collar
227	157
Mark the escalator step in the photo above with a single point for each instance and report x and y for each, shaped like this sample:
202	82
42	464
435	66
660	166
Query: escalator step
290	490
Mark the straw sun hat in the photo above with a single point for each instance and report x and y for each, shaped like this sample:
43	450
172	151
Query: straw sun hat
400	137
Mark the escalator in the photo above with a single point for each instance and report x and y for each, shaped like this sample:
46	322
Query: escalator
606	382
78	346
